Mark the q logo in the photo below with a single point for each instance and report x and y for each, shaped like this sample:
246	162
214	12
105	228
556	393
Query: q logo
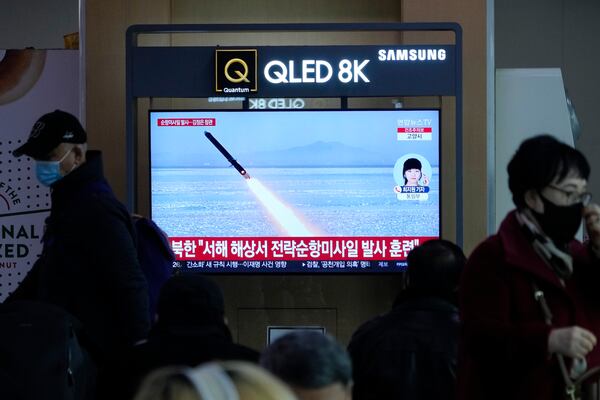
236	71
242	76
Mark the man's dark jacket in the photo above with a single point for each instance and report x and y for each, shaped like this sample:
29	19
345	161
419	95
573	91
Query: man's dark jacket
186	344
409	353
89	263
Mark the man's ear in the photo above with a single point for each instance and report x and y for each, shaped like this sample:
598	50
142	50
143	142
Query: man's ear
533	201
79	151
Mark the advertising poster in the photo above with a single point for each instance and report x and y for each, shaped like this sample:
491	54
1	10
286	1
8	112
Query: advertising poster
32	83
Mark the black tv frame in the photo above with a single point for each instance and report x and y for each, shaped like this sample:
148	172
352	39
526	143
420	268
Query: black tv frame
133	64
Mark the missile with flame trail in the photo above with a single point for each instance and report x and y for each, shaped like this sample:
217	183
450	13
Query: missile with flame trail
226	154
282	213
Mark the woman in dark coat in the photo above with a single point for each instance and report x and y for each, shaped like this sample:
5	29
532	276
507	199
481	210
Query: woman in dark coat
510	348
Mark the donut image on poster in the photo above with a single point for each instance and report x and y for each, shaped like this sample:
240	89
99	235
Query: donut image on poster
412	174
19	71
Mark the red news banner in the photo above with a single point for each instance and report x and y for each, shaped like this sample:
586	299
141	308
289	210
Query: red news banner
186	122
294	248
414	130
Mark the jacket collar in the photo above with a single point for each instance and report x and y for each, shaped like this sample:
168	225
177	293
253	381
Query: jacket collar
91	170
519	252
427	300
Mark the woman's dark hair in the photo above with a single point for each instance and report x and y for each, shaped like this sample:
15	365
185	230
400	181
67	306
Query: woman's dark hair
538	162
410	163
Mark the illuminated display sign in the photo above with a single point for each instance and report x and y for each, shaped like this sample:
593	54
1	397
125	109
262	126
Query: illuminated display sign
235	70
315	71
296	71
312	73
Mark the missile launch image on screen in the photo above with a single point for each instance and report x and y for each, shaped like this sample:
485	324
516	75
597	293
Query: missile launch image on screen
226	154
310	173
281	213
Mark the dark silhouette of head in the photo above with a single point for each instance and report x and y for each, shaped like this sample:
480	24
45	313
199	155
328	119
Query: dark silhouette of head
190	299
312	363
538	162
435	267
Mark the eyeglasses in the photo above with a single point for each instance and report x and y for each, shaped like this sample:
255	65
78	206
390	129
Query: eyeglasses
573	196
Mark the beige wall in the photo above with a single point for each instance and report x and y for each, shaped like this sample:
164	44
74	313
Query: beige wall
37	23
564	34
471	14
339	303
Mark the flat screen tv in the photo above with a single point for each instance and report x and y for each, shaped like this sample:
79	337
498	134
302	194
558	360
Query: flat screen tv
337	191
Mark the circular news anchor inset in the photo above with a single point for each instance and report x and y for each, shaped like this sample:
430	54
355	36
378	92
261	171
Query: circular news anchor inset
412	174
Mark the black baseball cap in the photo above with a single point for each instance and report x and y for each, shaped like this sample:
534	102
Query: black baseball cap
49	131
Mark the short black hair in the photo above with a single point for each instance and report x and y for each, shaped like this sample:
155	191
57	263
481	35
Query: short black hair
410	163
309	360
538	162
190	299
435	266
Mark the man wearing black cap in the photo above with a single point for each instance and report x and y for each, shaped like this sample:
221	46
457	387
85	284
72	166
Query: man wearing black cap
88	264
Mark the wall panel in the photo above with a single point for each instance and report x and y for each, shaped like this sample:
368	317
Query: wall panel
558	34
471	15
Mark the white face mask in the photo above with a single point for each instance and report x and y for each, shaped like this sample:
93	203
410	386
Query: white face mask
48	172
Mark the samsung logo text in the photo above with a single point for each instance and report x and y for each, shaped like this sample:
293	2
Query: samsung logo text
411	55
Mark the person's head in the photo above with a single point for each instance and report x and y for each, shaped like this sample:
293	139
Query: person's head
57	142
190	300
549	178
411	171
213	381
313	364
435	267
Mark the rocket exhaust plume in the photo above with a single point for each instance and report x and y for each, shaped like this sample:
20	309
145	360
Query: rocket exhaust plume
226	154
280	212
284	215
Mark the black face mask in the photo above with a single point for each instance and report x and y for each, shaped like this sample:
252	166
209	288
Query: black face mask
560	223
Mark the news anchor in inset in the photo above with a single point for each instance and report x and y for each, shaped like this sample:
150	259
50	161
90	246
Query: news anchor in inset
88	264
412	173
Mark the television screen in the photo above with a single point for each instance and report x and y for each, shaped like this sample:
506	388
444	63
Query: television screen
275	332
295	191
